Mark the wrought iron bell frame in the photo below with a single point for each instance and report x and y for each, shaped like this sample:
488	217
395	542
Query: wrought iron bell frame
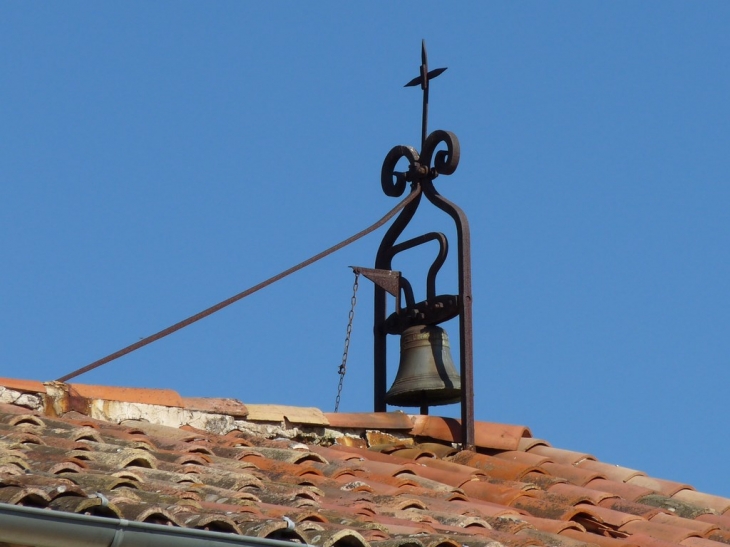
423	168
435	309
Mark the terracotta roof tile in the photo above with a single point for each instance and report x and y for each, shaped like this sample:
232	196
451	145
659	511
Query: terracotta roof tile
546	506
526	458
494	467
30	386
718	503
576	494
441	450
631	508
467	471
366	454
720	535
281	414
672	505
548	538
668	488
701	527
701	542
341	480
572	474
487	435
542	480
560	455
502	494
612	472
230	407
645	540
721	520
414	453
659	530
626	491
162	397
514	540
444	476
526	443
370	420
600	540
604	519
552	526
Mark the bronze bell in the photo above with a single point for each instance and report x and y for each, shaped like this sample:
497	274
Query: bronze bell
426	374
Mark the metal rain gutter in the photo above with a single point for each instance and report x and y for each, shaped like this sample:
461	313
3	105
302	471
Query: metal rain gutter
21	525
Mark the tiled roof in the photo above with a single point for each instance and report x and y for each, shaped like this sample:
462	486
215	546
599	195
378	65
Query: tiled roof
327	479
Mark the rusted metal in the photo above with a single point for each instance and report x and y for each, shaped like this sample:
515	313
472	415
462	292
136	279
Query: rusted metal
343	365
427	312
228	301
387	279
423	79
423	168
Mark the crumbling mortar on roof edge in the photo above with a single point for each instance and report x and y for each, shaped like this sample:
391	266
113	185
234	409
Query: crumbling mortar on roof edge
58	400
10	396
118	411
361	433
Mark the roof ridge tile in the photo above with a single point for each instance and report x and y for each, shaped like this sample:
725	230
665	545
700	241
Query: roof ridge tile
486	434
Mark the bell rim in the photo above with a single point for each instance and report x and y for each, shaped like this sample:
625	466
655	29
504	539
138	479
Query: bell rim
420	397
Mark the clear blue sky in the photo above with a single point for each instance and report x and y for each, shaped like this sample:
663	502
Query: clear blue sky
156	158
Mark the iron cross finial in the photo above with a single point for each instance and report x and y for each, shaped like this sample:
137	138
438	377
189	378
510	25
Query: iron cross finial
423	79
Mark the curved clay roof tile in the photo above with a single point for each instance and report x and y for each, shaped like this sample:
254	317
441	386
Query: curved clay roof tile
27	421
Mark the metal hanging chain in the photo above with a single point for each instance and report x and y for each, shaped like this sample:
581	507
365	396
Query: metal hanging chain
343	367
205	313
